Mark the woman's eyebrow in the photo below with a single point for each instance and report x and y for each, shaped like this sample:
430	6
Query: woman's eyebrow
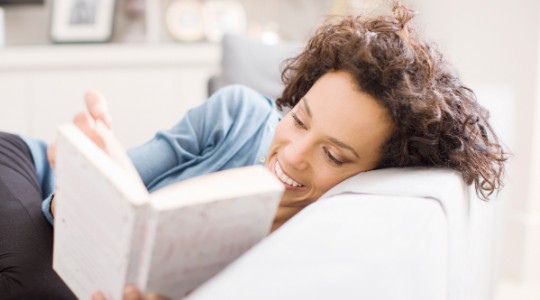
335	141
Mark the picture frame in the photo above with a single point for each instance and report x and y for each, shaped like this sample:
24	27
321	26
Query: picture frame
82	21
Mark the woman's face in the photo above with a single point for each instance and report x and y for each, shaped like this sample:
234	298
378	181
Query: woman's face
334	132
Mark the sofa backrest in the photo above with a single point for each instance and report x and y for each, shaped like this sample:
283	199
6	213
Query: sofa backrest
384	234
471	222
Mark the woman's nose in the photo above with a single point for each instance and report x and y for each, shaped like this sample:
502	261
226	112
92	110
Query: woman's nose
297	154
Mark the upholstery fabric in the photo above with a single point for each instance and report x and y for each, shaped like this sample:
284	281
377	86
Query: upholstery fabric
384	234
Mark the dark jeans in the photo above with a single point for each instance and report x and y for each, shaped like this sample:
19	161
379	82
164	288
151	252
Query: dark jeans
25	235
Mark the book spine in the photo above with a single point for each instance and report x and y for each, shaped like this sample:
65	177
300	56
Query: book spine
141	245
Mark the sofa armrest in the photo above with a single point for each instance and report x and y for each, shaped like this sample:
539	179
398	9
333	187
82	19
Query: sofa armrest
348	246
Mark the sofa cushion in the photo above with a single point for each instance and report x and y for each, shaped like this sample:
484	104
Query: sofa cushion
345	247
407	233
471	222
250	62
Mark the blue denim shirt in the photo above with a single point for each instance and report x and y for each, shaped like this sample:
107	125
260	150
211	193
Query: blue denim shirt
233	128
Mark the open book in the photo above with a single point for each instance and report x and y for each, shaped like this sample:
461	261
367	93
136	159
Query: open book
110	231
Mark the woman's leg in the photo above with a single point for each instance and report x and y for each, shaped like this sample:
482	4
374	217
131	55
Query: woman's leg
25	236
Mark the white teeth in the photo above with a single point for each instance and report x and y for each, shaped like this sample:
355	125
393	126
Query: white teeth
285	178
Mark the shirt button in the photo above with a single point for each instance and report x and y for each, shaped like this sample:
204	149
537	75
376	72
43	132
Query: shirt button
262	159
270	129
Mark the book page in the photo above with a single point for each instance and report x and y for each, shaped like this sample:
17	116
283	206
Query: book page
96	204
196	240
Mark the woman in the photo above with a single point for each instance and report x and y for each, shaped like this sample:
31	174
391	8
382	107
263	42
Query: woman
364	94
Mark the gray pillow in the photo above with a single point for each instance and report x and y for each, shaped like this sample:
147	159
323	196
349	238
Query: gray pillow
253	63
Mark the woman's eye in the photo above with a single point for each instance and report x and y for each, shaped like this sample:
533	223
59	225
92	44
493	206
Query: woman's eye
297	122
332	158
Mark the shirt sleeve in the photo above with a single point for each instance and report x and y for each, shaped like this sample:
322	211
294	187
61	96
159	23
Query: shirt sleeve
208	138
46	209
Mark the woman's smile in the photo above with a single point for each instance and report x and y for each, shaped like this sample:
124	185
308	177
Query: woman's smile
289	182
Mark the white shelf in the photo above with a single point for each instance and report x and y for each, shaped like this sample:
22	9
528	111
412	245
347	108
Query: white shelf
56	57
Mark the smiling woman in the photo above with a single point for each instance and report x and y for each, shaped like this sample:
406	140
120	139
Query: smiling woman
438	122
334	132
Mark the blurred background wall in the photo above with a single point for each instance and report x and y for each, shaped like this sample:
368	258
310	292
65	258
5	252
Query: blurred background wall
295	19
495	46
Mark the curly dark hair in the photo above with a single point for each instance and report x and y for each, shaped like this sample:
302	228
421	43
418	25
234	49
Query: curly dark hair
438	121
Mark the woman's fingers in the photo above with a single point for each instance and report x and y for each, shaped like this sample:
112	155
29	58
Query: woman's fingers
88	126
98	296
51	154
132	293
97	110
98	107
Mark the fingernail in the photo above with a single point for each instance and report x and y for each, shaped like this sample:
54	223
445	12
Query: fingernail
98	296
131	293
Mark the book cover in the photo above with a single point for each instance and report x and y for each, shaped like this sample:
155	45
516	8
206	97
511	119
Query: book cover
109	231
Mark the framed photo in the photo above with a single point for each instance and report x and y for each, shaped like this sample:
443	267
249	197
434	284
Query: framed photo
82	21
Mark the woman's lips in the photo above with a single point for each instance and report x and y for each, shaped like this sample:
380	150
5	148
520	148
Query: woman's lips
284	178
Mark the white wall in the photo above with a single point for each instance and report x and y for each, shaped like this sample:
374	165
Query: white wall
495	46
27	24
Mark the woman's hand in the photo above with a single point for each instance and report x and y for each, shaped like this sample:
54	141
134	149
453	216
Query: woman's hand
131	293
97	111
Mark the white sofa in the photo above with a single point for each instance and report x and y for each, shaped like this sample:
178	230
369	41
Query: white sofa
385	234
